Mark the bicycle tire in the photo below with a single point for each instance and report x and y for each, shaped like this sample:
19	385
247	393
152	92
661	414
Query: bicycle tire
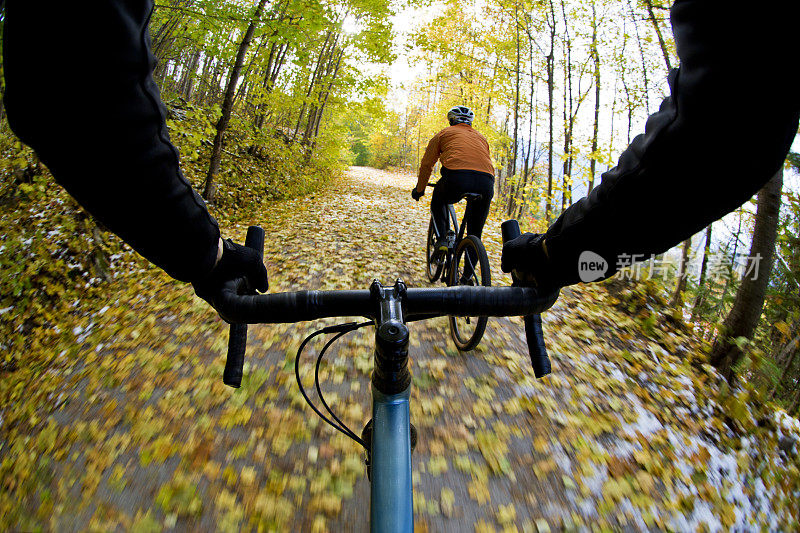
464	338
432	270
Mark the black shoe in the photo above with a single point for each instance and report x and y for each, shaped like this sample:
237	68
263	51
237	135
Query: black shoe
439	249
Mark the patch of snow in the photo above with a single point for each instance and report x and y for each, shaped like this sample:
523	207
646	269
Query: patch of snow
702	514
561	459
788	423
588	507
616	374
626	506
597	479
722	472
646	422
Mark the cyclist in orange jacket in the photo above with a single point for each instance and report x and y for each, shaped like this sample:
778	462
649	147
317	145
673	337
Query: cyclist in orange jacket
466	168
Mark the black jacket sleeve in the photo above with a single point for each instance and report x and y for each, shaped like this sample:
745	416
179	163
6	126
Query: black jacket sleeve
720	136
80	92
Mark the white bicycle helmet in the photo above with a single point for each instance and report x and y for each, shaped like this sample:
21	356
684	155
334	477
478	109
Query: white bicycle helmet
460	115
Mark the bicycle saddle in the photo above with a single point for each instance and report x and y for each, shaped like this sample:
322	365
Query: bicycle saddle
472	196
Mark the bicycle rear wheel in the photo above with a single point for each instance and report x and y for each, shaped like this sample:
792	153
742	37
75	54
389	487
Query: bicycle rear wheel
432	268
470	267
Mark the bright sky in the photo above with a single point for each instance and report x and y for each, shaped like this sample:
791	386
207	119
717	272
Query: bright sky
401	72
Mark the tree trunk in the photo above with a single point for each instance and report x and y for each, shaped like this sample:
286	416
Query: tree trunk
746	311
312	81
514	184
210	190
698	300
550	87
654	22
516	93
202	84
596	127
189	75
677	296
791	348
566	185
318	117
727	287
795	408
533	113
644	61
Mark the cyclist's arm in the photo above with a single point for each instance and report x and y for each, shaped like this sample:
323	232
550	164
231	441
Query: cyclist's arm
428	160
722	134
79	90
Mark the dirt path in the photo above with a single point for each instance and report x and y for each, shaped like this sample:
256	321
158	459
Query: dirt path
146	437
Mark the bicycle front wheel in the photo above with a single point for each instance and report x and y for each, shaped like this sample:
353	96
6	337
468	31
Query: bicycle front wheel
433	267
470	267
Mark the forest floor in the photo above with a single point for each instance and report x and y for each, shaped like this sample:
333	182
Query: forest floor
132	429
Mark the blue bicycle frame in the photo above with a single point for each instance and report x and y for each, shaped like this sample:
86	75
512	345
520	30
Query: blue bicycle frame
391	502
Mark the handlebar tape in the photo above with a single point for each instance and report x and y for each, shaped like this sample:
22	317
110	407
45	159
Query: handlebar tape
237	338
533	323
538	351
301	306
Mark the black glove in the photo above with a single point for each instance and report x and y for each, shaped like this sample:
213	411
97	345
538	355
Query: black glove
417	195
237	262
526	258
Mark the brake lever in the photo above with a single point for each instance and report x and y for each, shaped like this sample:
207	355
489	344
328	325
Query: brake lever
237	338
533	323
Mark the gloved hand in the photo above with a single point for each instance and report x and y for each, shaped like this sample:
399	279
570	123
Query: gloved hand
526	258
237	261
417	195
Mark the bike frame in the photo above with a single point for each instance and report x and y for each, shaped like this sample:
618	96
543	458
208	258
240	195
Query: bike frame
391	498
459	230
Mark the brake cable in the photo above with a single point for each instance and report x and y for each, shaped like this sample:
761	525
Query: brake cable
340	330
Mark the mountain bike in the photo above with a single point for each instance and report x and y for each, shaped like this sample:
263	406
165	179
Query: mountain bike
388	437
463	262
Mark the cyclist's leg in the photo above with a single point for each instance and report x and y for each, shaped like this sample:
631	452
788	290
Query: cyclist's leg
477	210
446	192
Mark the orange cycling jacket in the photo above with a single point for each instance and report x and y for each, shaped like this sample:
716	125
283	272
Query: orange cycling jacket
459	147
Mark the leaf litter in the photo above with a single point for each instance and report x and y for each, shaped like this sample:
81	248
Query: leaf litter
131	427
